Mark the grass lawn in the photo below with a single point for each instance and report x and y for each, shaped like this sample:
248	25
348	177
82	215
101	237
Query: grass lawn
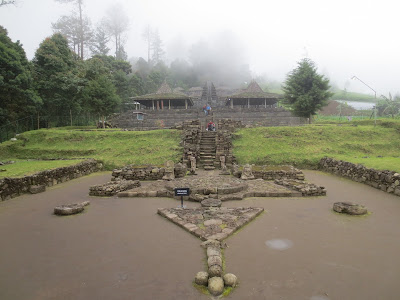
375	147
114	148
25	167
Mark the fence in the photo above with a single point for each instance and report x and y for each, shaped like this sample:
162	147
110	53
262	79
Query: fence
10	129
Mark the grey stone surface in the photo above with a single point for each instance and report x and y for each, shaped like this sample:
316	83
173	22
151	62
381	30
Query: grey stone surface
201	278
349	208
215	271
35	189
211	203
216	286
69	209
230	280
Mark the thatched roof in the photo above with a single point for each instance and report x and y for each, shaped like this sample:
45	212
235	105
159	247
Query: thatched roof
254	91
163	93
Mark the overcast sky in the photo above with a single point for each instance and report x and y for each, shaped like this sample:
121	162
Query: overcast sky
343	37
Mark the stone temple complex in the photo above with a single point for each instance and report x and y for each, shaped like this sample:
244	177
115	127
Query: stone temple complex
166	108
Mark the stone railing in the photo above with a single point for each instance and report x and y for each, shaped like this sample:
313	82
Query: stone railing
268	173
387	181
13	187
132	172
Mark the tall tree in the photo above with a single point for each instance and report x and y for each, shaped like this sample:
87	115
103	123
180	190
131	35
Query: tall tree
305	91
100	41
56	77
17	96
157	48
84	31
147	34
117	23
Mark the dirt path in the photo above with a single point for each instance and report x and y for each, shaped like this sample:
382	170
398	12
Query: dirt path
121	249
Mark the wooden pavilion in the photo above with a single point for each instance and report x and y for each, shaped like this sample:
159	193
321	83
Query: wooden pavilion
164	98
253	96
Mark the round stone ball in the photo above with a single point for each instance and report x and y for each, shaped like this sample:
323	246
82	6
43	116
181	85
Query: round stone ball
201	278
215	271
215	286
230	279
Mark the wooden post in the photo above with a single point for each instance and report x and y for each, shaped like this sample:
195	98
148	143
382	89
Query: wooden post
248	102
265	102
158	105
162	104
232	103
152	101
186	104
169	104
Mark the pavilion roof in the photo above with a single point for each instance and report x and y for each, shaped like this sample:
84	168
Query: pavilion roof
254	91
163	93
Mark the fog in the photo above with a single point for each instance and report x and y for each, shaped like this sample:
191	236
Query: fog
344	38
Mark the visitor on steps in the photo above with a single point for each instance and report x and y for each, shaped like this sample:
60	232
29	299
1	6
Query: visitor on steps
210	126
208	109
205	109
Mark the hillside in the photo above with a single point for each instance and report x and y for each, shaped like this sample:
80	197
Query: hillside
358	142
114	148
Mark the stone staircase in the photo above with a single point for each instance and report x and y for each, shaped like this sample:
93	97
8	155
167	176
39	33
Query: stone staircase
207	150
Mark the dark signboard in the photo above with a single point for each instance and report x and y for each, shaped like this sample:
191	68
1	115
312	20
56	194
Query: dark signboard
182	192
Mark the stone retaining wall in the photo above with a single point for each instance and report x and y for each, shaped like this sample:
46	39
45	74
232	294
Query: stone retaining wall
167	118
132	172
305	188
113	187
387	181
13	187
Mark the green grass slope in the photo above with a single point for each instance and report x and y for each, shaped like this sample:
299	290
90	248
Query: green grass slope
114	148
375	147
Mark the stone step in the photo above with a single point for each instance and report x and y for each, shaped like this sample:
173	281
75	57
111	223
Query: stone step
209	168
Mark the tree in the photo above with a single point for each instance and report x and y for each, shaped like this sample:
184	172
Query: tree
77	36
147	33
83	31
18	98
7	2
99	93
305	91
100	41
117	22
389	106
156	47
57	79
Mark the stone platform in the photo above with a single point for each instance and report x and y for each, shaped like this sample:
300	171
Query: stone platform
209	184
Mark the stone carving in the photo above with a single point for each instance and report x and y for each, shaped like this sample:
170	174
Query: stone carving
224	169
169	170
192	164
247	173
349	208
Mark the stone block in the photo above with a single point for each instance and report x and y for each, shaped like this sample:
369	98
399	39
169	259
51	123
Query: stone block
35	189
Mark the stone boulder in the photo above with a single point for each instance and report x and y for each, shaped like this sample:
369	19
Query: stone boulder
70	209
230	279
201	278
215	271
349	208
215	286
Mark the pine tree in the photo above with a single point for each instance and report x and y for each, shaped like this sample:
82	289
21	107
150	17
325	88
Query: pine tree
305	91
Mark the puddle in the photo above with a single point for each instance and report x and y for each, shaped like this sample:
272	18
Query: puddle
280	244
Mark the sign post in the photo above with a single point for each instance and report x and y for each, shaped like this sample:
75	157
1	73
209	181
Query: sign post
182	192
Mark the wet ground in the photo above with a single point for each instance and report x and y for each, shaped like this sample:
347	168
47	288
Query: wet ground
121	249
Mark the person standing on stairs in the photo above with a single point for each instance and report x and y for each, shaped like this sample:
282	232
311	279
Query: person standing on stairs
208	109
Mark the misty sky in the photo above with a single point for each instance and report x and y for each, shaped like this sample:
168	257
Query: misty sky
343	37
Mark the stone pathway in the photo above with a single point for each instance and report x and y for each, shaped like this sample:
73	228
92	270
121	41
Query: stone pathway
211	223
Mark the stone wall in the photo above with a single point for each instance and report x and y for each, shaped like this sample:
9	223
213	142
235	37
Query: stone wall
132	172
113	187
266	173
13	187
191	140
387	181
167	118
